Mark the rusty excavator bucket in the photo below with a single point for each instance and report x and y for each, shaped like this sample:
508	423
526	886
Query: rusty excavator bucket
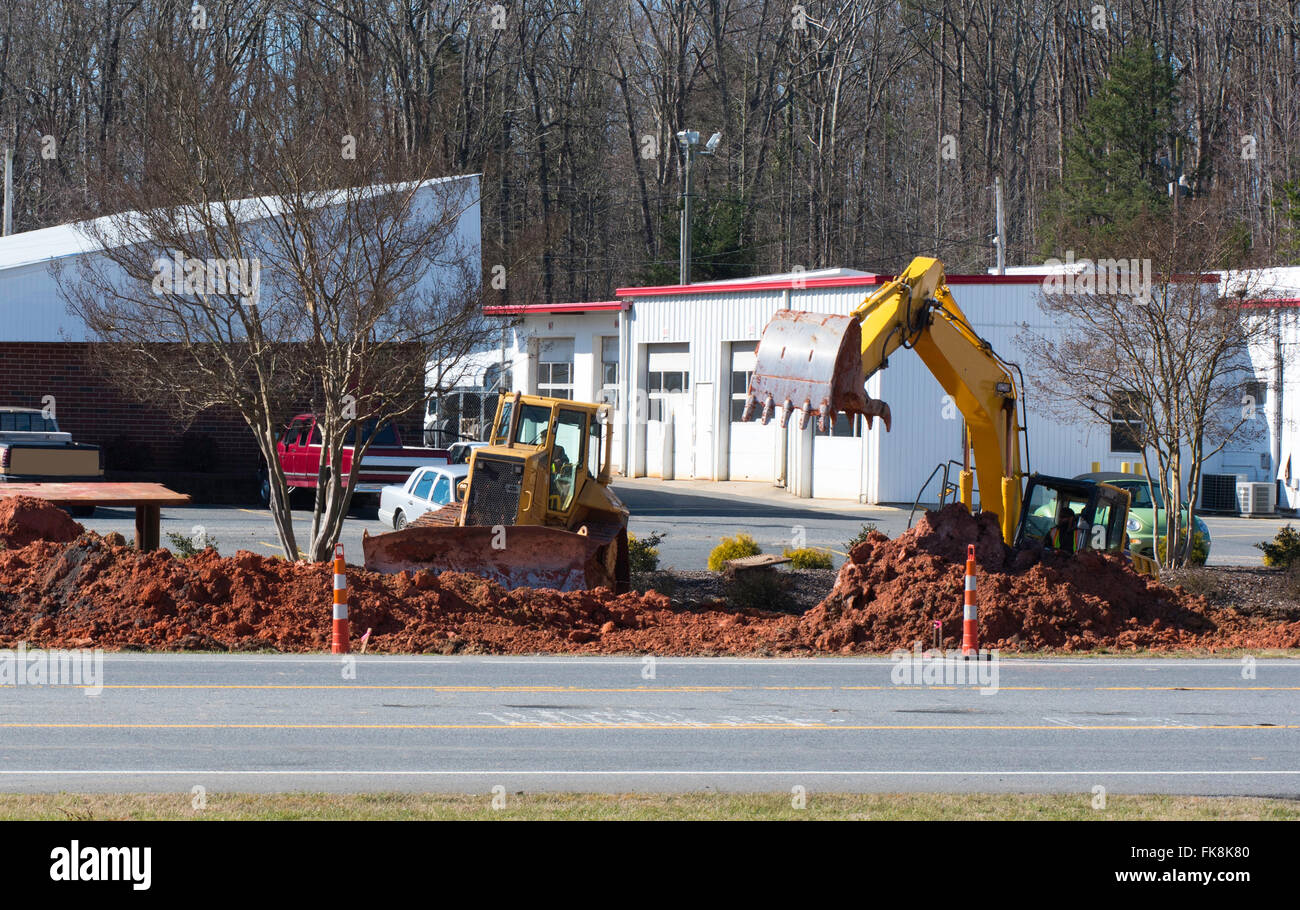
811	362
514	556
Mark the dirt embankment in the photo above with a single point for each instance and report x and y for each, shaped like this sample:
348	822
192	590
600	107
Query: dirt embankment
63	587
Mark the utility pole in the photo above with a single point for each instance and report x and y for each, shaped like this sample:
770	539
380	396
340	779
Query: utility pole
8	225
1000	238
689	140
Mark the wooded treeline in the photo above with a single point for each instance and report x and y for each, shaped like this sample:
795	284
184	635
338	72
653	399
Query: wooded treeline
854	132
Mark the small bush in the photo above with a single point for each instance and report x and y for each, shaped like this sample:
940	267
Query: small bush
1199	552
1206	582
809	558
760	589
732	548
860	536
184	547
643	554
1284	550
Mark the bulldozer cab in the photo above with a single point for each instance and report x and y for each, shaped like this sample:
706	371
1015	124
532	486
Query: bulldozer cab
559	444
1073	515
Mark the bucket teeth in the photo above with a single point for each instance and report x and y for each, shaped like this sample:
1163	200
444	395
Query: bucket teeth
811	357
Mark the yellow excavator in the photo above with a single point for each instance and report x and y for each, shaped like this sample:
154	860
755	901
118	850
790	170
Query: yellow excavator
536	509
818	363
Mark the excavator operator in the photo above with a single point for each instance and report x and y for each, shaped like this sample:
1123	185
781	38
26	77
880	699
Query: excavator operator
1061	537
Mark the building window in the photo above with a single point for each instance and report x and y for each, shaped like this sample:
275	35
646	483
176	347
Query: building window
848	426
609	372
744	354
1126	427
667	374
1257	393
555	368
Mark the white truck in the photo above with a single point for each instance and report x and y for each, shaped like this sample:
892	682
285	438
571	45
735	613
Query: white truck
34	450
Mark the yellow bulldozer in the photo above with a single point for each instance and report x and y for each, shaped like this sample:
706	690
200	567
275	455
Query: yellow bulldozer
536	509
818	363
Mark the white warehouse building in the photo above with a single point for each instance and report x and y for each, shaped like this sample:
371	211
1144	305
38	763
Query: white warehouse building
676	361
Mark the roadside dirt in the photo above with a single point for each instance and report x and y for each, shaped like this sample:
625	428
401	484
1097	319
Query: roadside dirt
64	587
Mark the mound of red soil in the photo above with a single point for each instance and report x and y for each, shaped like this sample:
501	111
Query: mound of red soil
94	591
890	593
24	519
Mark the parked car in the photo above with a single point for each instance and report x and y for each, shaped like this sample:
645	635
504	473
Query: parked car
429	487
1143	515
387	461
33	449
459	452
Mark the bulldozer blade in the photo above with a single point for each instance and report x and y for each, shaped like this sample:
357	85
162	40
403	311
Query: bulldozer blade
811	362
514	556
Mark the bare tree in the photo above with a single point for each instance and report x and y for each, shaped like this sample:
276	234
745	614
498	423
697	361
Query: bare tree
1151	342
333	285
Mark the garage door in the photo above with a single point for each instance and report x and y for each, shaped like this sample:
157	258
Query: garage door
668	386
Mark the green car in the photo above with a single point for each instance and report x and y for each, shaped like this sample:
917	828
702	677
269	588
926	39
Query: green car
1142	516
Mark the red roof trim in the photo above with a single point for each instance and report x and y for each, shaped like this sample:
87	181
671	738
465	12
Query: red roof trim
789	283
541	309
847	281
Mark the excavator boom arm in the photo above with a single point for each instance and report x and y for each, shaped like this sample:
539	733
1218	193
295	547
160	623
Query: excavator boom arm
819	363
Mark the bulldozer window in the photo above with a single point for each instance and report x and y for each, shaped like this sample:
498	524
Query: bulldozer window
502	430
534	421
566	455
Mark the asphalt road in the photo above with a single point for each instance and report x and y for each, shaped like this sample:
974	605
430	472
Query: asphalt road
169	723
694	515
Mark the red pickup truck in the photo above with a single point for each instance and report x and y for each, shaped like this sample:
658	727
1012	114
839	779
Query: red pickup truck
387	461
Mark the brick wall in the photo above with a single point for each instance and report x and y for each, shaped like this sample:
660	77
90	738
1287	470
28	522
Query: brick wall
93	412
133	436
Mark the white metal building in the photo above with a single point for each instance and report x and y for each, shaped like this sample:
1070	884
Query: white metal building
676	360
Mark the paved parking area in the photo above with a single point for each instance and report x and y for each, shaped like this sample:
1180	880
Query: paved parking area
693	515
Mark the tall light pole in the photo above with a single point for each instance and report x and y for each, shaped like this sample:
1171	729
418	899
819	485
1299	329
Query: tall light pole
689	140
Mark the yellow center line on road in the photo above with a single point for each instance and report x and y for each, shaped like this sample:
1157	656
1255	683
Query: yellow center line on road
672	689
425	688
639	726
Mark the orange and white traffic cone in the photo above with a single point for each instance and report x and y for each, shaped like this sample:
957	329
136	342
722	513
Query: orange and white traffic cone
970	629
340	643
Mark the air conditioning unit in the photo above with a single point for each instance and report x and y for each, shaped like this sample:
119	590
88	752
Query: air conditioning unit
1256	498
1219	493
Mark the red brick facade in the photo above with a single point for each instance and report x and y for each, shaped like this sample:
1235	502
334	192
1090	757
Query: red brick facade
135	438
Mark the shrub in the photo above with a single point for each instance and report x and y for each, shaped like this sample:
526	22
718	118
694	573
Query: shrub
809	558
643	554
860	536
184	546
1284	550
1199	552
732	548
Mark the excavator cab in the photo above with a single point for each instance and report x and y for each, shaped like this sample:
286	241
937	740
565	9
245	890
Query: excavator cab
1075	516
536	509
1072	515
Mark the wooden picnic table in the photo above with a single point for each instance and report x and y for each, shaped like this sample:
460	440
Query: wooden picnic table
148	499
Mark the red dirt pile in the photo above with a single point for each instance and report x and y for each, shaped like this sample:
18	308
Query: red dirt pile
78	589
890	592
26	518
98	591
